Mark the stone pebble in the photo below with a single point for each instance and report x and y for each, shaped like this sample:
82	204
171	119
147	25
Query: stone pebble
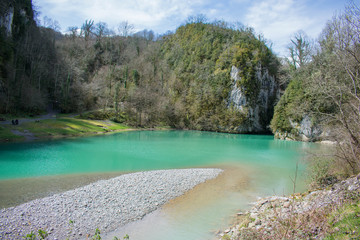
106	204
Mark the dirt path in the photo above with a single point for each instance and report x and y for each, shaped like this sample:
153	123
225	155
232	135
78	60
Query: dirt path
29	136
25	132
49	115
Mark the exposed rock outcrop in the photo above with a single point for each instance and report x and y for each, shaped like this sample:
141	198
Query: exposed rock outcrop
305	131
15	17
6	20
259	112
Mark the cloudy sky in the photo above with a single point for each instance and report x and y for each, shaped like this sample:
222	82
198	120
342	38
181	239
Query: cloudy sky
277	20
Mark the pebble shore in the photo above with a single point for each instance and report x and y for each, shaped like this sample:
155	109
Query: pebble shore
106	204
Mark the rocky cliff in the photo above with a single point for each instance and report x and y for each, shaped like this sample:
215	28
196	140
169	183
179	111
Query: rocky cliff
15	17
257	111
293	116
224	78
6	19
305	130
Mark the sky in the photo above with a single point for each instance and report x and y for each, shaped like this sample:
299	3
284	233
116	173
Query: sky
276	20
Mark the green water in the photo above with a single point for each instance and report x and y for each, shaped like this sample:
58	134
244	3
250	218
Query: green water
144	150
255	165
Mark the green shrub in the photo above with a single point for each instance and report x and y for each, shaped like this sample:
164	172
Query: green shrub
320	173
120	118
289	107
345	222
225	237
43	234
98	115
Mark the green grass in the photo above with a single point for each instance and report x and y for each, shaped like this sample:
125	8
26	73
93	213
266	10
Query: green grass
345	222
61	127
7	135
71	127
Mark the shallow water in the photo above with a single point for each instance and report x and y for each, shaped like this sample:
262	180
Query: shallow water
20	190
199	213
255	165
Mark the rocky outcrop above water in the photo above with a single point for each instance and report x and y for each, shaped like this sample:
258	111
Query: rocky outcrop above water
259	112
306	131
271	213
106	204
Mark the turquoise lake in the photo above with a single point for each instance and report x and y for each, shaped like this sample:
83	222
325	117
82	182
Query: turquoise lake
257	165
145	150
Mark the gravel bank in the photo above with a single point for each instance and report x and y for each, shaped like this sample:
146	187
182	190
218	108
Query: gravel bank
106	204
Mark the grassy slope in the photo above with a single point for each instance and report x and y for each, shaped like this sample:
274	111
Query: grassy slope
61	127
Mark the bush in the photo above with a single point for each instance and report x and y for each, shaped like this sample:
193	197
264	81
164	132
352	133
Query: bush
320	173
289	107
98	115
120	118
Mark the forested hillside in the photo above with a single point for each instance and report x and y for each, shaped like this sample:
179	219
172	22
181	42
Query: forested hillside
202	57
208	76
205	76
27	59
322	99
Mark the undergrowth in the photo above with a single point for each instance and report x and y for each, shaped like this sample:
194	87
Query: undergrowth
337	220
314	217
43	235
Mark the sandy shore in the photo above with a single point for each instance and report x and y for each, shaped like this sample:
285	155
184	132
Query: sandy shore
106	204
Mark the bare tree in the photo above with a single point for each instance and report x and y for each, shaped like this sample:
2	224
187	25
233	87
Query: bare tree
146	34
50	23
87	29
300	50
125	29
199	18
102	29
73	31
337	84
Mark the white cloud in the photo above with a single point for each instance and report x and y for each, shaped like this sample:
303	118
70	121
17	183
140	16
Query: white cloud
276	19
279	19
154	14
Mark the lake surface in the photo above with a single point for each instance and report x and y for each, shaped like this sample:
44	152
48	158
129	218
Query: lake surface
255	165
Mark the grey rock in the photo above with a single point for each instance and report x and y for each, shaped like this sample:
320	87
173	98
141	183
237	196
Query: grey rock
254	111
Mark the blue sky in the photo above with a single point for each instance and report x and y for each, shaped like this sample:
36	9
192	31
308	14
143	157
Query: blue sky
277	20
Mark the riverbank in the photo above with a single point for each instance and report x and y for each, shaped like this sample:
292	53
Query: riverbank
106	204
52	128
329	213
17	191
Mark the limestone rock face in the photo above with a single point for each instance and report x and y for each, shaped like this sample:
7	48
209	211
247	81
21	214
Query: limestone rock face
308	130
15	16
6	20
260	111
305	131
237	97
